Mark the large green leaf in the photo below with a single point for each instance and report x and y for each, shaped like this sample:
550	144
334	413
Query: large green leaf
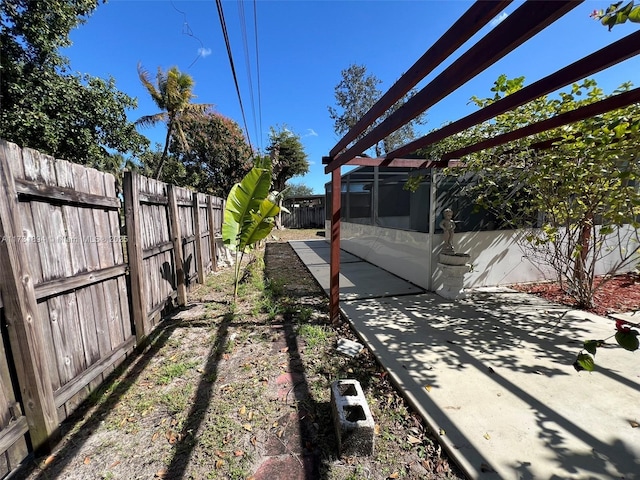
261	223
244	198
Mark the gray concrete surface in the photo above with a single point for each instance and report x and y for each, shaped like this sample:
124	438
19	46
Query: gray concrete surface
358	279
492	375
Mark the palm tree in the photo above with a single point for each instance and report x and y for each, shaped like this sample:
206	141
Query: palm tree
172	95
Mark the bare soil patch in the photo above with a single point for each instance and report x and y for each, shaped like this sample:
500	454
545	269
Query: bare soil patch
241	390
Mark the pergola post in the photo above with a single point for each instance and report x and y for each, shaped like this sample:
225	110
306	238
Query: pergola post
334	267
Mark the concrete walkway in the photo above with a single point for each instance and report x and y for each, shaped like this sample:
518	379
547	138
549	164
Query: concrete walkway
492	374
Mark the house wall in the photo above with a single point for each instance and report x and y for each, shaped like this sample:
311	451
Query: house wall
496	256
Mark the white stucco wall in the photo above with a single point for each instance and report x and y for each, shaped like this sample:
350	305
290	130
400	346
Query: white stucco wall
495	255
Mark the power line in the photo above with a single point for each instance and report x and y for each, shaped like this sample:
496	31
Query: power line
243	27
225	33
255	26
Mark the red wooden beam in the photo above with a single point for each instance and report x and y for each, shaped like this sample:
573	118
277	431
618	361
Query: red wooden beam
618	51
397	162
612	103
524	23
334	255
478	15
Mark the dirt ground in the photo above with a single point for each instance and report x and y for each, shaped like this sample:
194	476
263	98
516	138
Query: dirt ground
241	390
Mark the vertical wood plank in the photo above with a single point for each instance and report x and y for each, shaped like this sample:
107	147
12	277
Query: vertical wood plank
196	225
71	216
21	314
176	238
101	220
100	314
212	234
66	333
49	348
88	326
114	322
134	252
87	227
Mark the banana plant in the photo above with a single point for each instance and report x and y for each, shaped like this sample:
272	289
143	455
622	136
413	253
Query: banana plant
249	213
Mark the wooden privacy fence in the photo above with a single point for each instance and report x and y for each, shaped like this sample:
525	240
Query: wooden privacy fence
165	253
72	305
312	216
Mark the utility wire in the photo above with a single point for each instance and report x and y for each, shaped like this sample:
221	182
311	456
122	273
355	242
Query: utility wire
186	30
225	33
255	25
247	58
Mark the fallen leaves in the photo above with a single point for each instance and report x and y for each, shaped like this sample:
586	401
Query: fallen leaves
162	473
173	437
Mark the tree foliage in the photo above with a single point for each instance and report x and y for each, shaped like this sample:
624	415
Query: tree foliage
217	156
43	106
575	198
297	190
172	93
355	94
288	157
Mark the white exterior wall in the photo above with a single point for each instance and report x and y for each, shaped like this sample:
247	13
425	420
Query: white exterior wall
495	255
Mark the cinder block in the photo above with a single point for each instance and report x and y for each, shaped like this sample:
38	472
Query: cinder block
352	419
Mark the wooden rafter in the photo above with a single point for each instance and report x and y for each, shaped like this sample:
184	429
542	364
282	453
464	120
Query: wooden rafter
520	26
587	111
617	52
462	30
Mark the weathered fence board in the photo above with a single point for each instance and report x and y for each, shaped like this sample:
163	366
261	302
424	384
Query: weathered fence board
68	314
21	312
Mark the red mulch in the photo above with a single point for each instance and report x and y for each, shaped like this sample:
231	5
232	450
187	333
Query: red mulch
620	293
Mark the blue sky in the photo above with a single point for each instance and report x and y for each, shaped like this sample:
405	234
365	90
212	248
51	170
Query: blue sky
302	48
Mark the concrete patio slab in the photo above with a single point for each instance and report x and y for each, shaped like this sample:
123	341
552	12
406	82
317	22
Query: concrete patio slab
316	252
360	281
492	375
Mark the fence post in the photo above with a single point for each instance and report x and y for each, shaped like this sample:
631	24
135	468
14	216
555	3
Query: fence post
196	227
131	189
212	234
176	237
21	313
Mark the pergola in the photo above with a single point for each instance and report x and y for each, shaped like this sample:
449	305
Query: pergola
528	20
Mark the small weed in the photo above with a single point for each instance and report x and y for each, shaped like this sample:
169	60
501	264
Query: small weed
174	370
304	314
177	399
275	287
314	335
270	306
